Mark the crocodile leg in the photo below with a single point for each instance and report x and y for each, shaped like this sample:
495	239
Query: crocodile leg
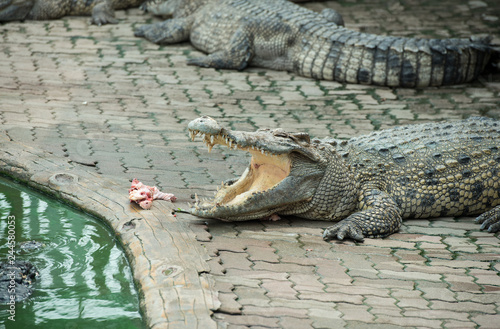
167	32
490	220
333	16
237	57
103	13
379	217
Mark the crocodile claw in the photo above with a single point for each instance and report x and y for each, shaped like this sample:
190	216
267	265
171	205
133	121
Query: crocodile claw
151	32
490	220
199	61
103	20
103	14
344	229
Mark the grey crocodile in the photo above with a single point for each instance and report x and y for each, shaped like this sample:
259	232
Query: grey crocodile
16	281
367	184
281	35
102	11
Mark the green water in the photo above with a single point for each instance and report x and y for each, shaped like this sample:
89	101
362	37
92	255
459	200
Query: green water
85	280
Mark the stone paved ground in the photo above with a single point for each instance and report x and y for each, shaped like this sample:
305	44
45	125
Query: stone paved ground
118	106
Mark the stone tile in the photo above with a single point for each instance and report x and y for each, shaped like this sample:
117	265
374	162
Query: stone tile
458	324
251	296
235	260
282	268
305	261
361	289
409	275
333	272
352	312
331	297
266	254
279	289
326	318
216	267
486	320
306	282
465	307
378	283
485	277
483	298
436	291
255	274
409	299
228	243
406	321
462	283
387	263
271	236
437	314
409	257
276	312
294	323
229	304
250	320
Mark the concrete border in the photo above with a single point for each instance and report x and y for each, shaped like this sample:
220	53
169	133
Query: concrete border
168	264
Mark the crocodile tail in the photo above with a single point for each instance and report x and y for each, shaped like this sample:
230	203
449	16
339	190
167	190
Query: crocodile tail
349	56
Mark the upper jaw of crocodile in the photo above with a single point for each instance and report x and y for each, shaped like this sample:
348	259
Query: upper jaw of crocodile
283	172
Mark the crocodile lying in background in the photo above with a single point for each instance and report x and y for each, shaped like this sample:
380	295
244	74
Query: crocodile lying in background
280	35
369	183
102	10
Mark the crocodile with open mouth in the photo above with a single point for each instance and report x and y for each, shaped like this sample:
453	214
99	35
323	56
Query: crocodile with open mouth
367	184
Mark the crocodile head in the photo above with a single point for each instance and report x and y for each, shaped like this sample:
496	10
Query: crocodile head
284	172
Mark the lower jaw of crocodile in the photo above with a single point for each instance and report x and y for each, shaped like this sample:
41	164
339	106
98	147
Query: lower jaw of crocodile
251	196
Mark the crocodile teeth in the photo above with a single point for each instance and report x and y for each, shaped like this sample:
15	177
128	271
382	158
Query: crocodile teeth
193	134
193	205
210	147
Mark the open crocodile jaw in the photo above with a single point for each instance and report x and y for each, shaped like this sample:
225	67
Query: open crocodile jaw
267	186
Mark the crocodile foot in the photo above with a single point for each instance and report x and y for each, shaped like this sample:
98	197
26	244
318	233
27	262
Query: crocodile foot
235	60
102	14
344	229
167	32
490	220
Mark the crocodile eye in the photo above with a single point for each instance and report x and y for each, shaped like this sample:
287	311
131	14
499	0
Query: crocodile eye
279	133
304	137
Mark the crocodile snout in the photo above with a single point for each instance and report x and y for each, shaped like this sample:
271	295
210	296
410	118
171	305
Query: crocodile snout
206	125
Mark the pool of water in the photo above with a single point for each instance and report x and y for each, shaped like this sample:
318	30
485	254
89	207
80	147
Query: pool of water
85	280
